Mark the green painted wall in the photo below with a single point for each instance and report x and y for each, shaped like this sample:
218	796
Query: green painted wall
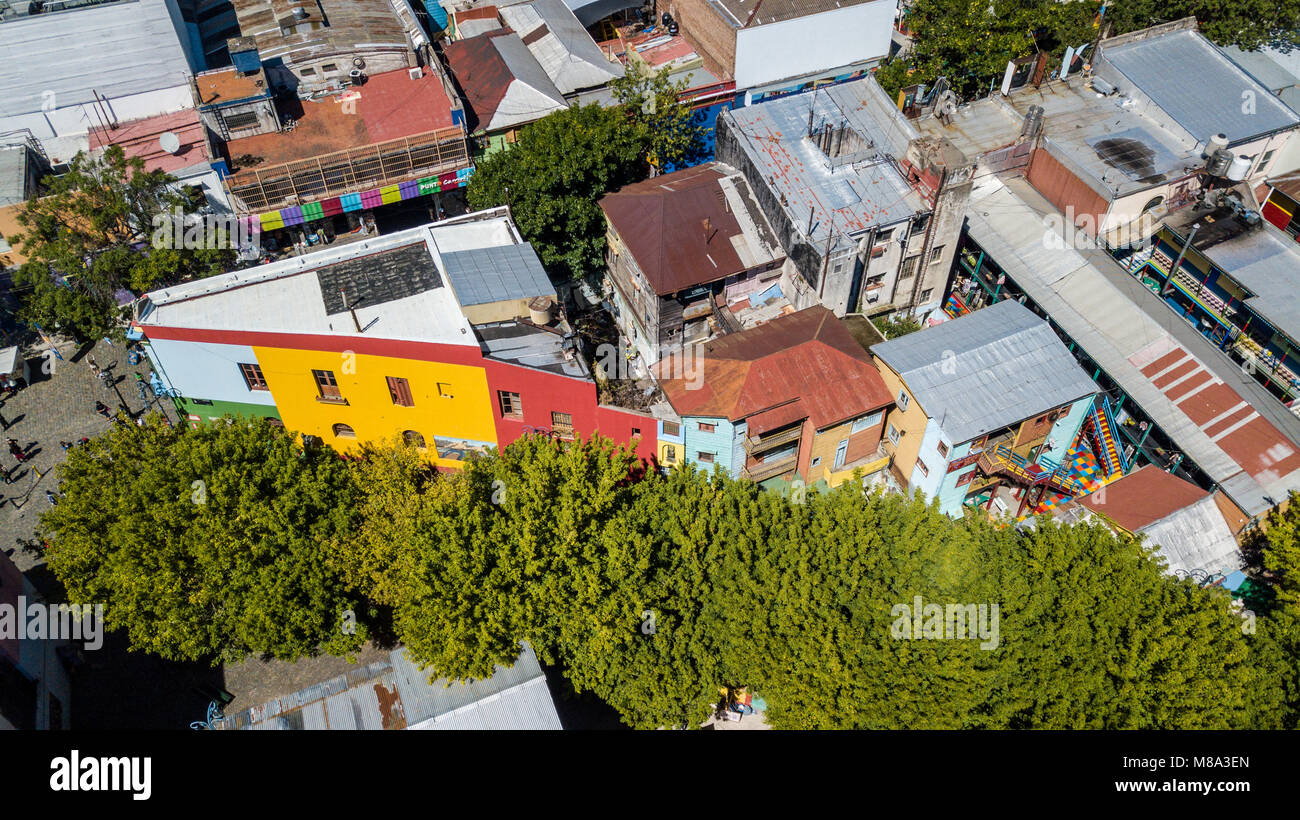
217	409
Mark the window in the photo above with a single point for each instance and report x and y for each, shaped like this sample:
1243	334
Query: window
893	435
636	432
241	119
918	226
344	431
399	390
920	465
925	294
707	428
1263	163
866	422
943	450
936	254
670	453
444	390
413	438
329	67
672	428
562	424
327	384
511	406
253	376
816	461
706	458
909	267
903	400
1153	203
309	72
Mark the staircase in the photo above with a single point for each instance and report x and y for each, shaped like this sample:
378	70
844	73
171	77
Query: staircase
1003	460
1101	421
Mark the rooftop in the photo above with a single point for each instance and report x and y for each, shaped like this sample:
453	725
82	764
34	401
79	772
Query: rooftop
692	226
1253	252
139	138
803	365
227	85
15	174
986	370
1193	82
502	81
396	284
1277	70
1225	422
116	49
349	26
846	195
395	694
1175	515
566	52
389	106
496	274
526	344
743	13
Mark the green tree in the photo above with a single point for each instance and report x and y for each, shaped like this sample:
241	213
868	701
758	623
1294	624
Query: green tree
669	129
1280	540
93	234
553	176
207	543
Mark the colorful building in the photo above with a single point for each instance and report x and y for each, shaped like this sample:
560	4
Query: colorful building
795	398
444	335
987	411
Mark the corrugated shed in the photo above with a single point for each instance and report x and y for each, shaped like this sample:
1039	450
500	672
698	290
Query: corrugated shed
561	45
397	695
986	370
497	274
1198	86
1196	538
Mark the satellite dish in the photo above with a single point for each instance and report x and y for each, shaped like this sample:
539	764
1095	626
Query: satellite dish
169	142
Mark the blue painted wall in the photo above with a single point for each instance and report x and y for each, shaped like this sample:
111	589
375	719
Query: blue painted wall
722	442
201	370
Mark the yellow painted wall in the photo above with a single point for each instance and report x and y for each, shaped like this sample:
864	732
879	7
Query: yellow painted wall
678	453
834	479
363	381
911	423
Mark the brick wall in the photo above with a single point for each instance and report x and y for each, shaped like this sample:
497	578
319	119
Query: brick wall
712	36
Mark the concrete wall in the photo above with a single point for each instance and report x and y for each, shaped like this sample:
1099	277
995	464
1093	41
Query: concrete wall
710	32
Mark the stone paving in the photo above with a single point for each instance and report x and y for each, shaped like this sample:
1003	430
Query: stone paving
54	407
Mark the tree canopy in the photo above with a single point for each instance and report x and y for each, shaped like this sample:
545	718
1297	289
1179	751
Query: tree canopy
561	165
206	543
91	235
654	591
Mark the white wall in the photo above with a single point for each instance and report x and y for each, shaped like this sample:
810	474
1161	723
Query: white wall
807	45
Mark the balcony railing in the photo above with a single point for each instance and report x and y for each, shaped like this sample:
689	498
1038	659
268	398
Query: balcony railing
351	170
758	444
758	472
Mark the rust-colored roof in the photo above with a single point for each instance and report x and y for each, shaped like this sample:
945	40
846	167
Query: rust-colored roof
481	72
139	138
228	85
1143	497
678	228
805	364
389	106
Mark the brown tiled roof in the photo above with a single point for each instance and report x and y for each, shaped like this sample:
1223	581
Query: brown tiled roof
1143	497
678	228
807	364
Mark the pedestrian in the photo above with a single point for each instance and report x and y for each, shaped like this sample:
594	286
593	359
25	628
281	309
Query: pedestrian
83	442
4	422
51	497
16	450
101	409
94	367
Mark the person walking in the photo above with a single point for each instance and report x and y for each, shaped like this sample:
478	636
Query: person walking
16	450
101	409
66	445
51	497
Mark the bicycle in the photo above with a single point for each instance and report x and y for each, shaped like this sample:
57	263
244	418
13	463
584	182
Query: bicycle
215	720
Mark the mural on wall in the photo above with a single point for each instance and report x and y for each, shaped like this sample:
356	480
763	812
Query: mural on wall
458	449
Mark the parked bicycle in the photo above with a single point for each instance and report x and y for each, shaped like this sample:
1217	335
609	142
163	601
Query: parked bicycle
215	720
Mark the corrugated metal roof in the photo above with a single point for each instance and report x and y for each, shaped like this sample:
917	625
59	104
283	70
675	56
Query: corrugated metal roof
497	274
1196	538
529	346
561	44
1197	85
986	370
1267	261
397	695
1127	330
846	200
762	12
503	83
1262	66
117	50
14	174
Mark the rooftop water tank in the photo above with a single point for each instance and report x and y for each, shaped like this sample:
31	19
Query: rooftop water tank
1219	163
1239	168
1216	143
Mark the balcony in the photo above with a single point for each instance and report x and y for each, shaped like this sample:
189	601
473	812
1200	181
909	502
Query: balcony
759	472
760	444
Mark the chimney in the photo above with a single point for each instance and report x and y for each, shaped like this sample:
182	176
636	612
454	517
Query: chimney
346	304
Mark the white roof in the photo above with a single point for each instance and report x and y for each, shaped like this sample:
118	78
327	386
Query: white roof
1196	538
287	297
118	49
566	51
